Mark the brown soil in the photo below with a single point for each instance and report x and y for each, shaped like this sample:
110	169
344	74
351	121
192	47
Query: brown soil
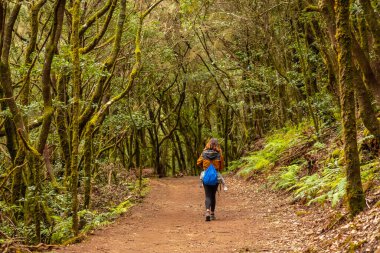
171	219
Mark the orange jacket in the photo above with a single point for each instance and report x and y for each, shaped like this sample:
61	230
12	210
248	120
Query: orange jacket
211	156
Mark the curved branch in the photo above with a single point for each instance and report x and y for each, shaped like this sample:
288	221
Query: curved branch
27	145
7	38
100	35
95	17
51	49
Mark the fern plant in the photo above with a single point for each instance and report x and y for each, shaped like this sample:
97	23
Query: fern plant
276	144
287	178
328	186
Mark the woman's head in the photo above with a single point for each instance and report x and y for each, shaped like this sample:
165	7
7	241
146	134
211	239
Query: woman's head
213	144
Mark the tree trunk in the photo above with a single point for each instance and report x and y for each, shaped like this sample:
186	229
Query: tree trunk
367	113
181	158
374	26
354	190
61	120
76	74
369	76
226	135
87	162
6	30
51	49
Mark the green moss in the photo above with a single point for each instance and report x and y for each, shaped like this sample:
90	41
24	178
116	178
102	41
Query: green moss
337	153
341	161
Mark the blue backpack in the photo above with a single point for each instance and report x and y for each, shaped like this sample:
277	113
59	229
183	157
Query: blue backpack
211	176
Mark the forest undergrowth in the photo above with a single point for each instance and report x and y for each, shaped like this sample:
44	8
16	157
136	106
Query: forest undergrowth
118	192
308	170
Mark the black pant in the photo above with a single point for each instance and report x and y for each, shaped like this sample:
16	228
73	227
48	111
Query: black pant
210	191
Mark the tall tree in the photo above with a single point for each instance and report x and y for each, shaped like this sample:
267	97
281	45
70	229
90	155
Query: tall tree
76	70
354	189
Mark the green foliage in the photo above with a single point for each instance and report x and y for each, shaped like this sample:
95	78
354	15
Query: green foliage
369	173
62	230
56	207
319	145
123	119
190	6
326	185
276	144
5	114
287	178
329	185
323	103
6	211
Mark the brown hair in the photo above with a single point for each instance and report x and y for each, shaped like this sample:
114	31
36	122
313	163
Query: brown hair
213	144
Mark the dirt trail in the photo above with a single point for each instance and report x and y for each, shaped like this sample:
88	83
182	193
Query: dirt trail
171	219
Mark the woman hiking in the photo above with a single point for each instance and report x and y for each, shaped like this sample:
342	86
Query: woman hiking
211	155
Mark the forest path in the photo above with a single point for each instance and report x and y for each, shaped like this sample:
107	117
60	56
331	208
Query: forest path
171	219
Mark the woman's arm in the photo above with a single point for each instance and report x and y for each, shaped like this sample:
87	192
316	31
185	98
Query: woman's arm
221	163
200	162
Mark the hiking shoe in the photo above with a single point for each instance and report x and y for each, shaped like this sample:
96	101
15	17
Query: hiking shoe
208	216
212	217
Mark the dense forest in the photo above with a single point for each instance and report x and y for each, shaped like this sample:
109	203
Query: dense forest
92	90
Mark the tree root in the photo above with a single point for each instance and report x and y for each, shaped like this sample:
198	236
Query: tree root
75	239
14	245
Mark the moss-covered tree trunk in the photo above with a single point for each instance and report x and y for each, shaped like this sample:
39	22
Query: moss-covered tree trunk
87	162
366	110
303	49
226	136
76	76
51	49
99	116
98	93
6	31
368	74
180	154
62	124
354	189
373	22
